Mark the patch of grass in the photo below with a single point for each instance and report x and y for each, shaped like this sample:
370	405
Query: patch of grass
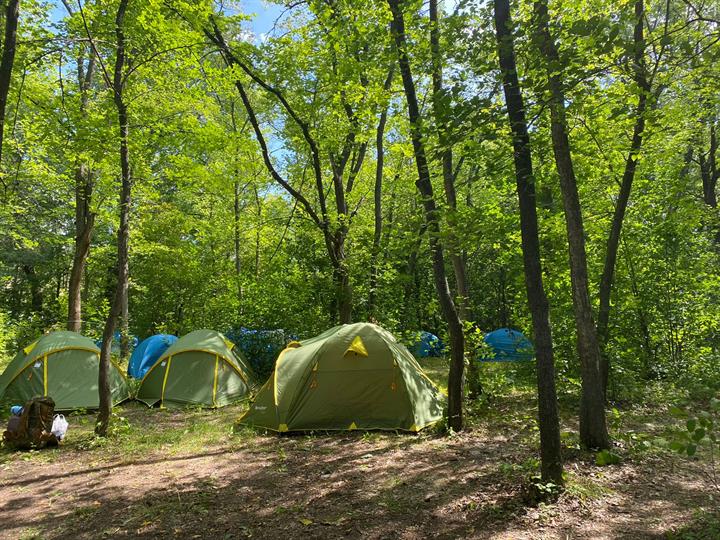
31	533
437	370
584	488
393	503
84	512
137	432
705	525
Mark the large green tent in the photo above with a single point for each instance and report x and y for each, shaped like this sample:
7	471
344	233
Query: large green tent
62	365
201	368
354	376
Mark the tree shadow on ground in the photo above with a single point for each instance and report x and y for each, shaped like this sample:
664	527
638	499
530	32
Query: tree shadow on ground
341	486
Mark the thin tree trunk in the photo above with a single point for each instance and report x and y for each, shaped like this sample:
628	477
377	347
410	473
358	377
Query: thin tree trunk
606	280
550	450
125	325
345	292
84	217
36	294
710	175
236	222
377	199
709	170
642	318
236	205
334	239
84	226
12	13
411	293
593	426
424	185
446	152
123	236
258	206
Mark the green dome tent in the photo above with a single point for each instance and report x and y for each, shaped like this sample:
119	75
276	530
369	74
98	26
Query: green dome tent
62	365
353	376
201	368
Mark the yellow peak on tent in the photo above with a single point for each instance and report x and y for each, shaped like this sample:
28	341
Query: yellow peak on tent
357	346
29	348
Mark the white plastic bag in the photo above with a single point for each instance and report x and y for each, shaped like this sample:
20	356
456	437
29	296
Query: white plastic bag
59	426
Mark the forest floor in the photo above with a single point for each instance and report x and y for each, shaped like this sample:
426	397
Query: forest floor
191	474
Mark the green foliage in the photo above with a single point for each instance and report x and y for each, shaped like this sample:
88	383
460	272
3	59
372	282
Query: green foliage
701	428
217	242
605	457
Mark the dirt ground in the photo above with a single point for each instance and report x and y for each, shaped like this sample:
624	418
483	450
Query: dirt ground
203	482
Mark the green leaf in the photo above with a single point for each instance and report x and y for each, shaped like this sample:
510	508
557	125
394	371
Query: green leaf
605	457
677	412
677	446
691	423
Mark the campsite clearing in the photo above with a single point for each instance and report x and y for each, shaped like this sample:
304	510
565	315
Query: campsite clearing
189	474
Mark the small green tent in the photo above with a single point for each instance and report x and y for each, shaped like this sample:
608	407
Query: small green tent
354	376
62	365
201	368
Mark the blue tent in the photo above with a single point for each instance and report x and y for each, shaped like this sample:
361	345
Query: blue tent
145	354
427	345
508	345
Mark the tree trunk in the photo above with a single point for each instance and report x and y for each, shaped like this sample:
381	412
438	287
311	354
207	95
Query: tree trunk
84	226
236	206
550	450
593	426
377	232
709	170
411	292
84	218
446	152
12	13
125	324
334	239
36	294
123	235
341	277
377	199
606	280
258	206
424	185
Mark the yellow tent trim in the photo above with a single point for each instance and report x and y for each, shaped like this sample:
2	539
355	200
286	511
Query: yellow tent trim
45	381
357	346
282	428
229	344
270	379
29	348
225	359
413	428
352	426
275	375
50	353
167	371
293	345
31	359
217	361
